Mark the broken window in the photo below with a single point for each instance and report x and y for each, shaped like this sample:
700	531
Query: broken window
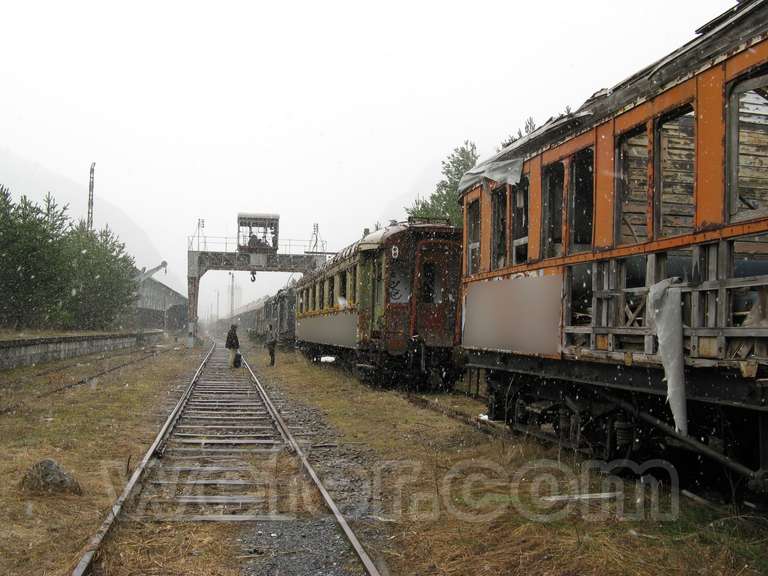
520	222
750	303
675	169
321	294
632	186
473	238
499	208
581	201
343	288
431	284
553	178
581	294
331	291
748	148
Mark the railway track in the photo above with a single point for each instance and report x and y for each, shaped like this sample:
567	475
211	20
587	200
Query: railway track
210	460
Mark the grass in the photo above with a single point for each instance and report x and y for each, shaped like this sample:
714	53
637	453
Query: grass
170	549
97	431
446	534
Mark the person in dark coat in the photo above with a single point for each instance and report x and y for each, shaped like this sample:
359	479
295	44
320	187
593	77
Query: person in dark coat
271	345
232	344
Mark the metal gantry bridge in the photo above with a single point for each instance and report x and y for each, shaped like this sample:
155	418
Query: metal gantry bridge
256	249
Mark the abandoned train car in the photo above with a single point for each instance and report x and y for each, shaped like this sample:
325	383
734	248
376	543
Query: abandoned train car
278	311
387	304
567	230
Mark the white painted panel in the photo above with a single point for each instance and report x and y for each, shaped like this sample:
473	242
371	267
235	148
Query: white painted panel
514	315
337	329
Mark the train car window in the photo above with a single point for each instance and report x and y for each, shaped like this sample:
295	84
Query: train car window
750	256
749	304
520	222
321	294
581	294
473	238
378	288
675	171
499	229
343	288
331	291
353	285
400	280
581	202
553	179
431	284
748	148
632	186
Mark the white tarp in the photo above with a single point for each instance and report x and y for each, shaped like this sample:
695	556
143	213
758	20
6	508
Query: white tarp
664	300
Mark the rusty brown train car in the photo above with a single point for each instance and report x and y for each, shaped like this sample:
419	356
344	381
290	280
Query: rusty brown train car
568	230
387	304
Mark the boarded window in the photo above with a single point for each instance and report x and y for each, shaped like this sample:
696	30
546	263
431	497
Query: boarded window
520	221
553	178
675	169
499	205
473	237
581	202
748	148
632	186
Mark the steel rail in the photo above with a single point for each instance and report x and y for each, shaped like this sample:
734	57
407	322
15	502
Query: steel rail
85	564
370	567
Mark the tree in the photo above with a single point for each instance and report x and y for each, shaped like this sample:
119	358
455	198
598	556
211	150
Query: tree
56	275
443	202
30	275
100	279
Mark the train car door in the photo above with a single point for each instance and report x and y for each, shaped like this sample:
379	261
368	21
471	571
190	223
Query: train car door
437	292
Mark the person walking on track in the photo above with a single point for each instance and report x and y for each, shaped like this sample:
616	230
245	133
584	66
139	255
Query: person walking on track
271	345
232	344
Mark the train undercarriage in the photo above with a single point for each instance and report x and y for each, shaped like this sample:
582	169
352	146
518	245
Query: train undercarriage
419	368
618	413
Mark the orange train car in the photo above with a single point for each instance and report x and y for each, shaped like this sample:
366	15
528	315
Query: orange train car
615	280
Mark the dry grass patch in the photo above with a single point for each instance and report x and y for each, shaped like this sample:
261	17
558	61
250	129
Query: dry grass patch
170	549
97	432
462	510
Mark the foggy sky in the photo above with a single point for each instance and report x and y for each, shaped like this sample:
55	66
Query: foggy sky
330	112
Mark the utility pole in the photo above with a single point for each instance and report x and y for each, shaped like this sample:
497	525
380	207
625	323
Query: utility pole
90	198
232	297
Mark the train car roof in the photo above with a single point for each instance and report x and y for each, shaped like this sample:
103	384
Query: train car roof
734	28
375	239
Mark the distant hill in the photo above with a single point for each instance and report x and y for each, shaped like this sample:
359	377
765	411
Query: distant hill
34	180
